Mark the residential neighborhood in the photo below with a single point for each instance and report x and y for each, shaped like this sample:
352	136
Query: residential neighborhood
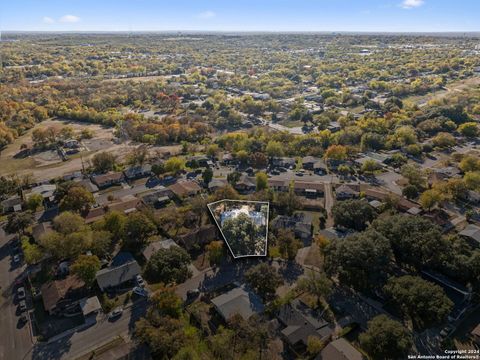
234	195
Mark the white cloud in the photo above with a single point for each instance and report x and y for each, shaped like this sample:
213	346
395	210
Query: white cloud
206	14
69	19
410	4
48	20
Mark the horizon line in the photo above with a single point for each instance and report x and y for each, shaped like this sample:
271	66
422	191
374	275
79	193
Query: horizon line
252	31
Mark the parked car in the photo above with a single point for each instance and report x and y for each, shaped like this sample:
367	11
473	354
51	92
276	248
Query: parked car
21	293
22	305
140	291
115	313
16	258
140	281
191	294
446	331
298	173
275	172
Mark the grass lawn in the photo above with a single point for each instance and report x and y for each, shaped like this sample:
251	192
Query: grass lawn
290	123
12	165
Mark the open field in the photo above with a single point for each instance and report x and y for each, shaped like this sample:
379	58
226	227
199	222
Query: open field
47	164
457	86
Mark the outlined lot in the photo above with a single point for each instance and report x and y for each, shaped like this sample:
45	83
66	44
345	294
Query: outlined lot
243	225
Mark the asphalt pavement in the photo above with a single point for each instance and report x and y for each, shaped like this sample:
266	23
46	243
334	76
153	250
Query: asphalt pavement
15	337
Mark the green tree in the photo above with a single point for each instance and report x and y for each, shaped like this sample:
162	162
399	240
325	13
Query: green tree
215	251
274	149
18	222
168	266
165	302
138	228
34	202
114	222
430	198
469	129
424	302
164	335
77	199
86	267
244	236
361	260
469	163
386	339
162	328
174	164
353	214
264	279
316	284
32	252
288	202
103	162
414	175
370	166
314	345
207	175
262	181
472	180
444	140
287	244
414	240
67	223
410	191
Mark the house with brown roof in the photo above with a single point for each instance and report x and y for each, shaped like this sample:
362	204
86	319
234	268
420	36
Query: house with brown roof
309	188
185	188
339	349
126	205
61	295
278	185
108	179
245	184
345	192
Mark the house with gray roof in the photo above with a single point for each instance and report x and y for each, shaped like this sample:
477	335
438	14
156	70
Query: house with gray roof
301	322
122	270
239	301
154	246
472	234
300	223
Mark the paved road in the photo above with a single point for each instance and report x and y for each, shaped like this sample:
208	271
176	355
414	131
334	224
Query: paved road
15	340
86	340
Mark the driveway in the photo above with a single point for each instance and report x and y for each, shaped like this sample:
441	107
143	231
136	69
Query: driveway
329	201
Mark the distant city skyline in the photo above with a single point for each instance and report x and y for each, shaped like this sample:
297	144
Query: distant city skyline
244	15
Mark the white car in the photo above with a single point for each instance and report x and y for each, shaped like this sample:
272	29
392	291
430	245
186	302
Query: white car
117	312
23	306
16	258
21	293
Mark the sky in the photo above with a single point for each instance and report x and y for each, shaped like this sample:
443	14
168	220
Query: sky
241	15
